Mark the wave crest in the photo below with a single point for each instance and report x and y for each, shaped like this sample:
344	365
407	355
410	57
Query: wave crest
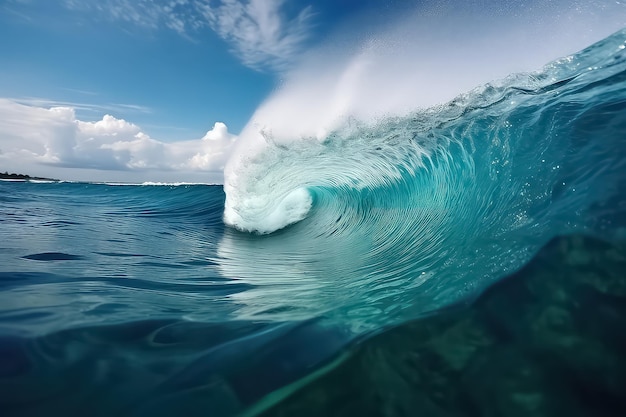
445	200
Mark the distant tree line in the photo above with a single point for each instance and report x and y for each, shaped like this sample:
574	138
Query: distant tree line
13	176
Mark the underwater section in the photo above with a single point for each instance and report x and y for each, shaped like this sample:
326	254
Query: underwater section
546	341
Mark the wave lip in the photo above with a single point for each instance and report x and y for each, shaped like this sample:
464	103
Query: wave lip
261	214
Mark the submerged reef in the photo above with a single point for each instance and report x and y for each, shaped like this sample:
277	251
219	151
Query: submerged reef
549	340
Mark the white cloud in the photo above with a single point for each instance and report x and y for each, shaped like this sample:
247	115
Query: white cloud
149	13
34	136
259	32
84	107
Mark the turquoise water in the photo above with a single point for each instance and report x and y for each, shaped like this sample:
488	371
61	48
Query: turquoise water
142	300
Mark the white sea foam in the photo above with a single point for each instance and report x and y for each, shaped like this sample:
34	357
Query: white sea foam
151	183
265	215
173	184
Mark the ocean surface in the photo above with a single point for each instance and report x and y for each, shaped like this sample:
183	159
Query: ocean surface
182	299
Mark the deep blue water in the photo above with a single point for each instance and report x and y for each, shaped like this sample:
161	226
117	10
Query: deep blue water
140	300
147	248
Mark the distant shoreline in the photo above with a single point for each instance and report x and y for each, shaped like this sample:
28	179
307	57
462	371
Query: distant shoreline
24	177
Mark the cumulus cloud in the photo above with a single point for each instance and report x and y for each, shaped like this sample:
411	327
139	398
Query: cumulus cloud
259	32
54	137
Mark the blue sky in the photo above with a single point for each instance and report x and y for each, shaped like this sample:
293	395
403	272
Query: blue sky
172	80
172	67
99	89
164	64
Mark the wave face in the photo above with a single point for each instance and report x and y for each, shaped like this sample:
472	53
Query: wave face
384	220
